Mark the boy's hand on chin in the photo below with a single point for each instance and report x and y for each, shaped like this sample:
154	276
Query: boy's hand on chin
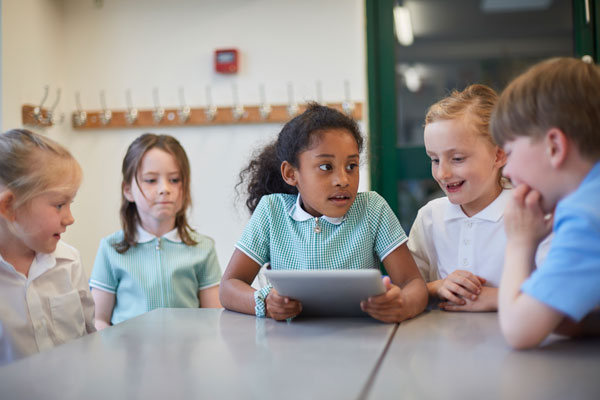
524	220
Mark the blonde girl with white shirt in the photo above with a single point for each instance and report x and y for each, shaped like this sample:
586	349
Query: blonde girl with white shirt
44	295
458	241
157	260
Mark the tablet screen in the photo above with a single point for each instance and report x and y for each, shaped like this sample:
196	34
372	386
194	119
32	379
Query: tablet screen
328	292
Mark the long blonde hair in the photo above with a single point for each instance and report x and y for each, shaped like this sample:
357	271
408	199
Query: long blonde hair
31	164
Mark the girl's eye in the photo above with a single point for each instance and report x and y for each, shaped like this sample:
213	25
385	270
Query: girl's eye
325	167
458	159
149	180
351	167
435	161
59	206
175	180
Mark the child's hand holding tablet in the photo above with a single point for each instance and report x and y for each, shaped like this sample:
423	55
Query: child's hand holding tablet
323	292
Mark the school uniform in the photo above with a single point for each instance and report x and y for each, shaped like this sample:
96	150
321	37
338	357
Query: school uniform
50	306
157	272
569	279
444	239
282	233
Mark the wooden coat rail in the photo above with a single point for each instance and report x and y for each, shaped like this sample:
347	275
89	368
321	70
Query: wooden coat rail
197	116
29	117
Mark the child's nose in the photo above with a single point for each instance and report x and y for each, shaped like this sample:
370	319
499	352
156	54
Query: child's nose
164	188
68	218
443	171
341	179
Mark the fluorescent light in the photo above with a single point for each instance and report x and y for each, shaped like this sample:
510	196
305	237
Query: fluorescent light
403	25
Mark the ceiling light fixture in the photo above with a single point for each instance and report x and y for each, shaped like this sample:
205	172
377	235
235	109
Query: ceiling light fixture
403	25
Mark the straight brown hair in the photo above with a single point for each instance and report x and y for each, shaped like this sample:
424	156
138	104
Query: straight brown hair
131	164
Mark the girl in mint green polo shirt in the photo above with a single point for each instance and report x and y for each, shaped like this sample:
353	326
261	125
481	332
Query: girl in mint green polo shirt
307	214
156	260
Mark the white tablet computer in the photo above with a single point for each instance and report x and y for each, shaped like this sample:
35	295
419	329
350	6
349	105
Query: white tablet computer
328	292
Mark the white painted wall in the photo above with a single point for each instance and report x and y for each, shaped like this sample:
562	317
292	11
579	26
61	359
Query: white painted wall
142	44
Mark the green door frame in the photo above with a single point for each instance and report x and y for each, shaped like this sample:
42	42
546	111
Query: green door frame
388	164
381	74
586	17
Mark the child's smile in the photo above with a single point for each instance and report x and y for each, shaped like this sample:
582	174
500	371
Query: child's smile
464	163
327	177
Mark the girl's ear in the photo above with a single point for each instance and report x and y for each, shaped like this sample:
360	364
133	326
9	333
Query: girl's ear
288	173
7	201
500	157
557	146
127	192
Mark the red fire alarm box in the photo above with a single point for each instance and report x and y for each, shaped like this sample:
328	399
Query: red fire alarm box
226	61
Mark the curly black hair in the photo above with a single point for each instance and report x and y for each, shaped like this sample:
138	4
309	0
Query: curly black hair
263	174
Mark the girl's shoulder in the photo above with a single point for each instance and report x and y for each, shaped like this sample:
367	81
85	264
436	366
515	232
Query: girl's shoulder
370	200
277	202
201	239
113	238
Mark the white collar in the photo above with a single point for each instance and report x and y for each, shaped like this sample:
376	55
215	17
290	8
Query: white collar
493	212
42	261
299	214
144	236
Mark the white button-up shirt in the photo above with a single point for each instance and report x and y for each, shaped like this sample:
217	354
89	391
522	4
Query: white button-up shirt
443	239
50	306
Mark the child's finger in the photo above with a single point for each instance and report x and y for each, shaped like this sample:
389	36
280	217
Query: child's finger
391	295
449	306
449	295
463	286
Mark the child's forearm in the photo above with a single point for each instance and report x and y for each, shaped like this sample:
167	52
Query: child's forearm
417	296
433	287
518	264
237	295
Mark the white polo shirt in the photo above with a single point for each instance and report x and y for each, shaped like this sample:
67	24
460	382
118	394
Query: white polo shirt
50	306
443	239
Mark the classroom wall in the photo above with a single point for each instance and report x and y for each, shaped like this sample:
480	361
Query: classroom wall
112	45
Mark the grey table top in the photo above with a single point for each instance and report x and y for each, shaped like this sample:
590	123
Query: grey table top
204	353
443	355
217	354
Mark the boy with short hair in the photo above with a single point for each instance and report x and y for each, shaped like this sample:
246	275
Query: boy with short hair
548	121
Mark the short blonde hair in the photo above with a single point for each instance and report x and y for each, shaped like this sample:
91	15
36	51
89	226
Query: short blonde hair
475	102
31	164
561	93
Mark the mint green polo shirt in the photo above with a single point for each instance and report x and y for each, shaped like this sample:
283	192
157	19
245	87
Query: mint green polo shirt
155	273
282	233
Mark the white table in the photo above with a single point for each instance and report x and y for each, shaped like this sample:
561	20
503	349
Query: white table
205	354
443	355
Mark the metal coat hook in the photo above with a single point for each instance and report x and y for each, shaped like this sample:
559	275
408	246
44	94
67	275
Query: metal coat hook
132	113
265	108
158	113
348	105
292	108
237	111
50	117
211	111
37	111
185	110
80	117
106	114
